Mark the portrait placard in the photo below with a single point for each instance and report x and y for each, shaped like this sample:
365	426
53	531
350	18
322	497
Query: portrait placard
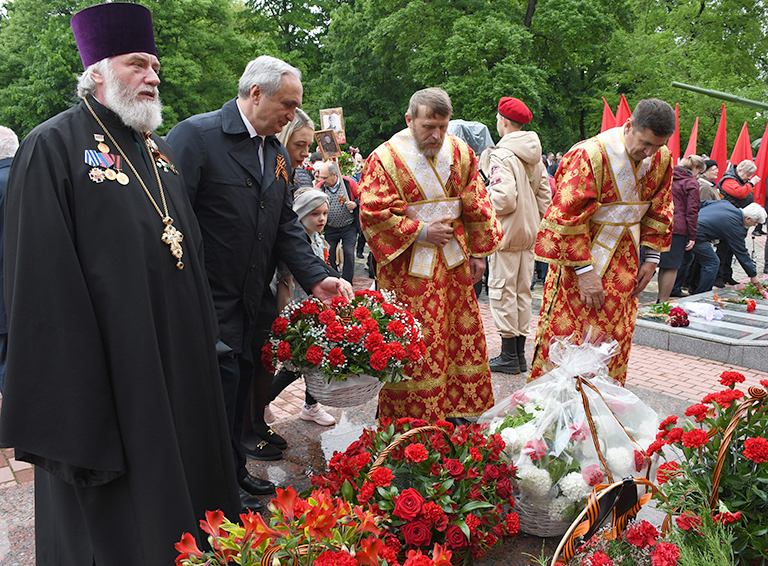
333	119
328	144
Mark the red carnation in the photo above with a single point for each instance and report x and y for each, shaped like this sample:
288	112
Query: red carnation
598	558
361	313
355	334
639	460
667	471
432	513
593	475
695	438
675	435
672	419
314	355
283	351
408	504
726	518
380	358
416	453
336	357
280	326
397	327
332	558
728	378
535	449
642	535
338	302
382	477
334	331
727	396
756	449
309	307
751	306
698	410
389	309
374	341
327	317
689	521
665	554
266	357
397	350
512	523
365	493
370	325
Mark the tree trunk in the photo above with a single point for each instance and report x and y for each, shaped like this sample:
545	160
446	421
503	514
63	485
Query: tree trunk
529	13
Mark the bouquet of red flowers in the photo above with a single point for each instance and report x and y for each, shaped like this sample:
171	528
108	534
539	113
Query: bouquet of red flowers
435	484
732	426
372	334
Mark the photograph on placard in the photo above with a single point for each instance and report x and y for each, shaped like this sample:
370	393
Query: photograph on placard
328	144
333	119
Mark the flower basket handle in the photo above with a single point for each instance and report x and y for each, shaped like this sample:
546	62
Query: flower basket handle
267	557
756	397
382	457
618	500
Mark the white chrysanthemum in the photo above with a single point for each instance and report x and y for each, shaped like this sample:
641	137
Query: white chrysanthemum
494	424
515	437
558	507
574	487
534	481
620	461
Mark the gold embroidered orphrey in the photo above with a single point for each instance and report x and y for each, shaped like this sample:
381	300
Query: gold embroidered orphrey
624	215
171	235
428	174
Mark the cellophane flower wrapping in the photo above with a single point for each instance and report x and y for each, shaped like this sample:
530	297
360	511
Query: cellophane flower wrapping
548	436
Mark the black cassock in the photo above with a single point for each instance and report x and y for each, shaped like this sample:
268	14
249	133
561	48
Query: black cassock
112	384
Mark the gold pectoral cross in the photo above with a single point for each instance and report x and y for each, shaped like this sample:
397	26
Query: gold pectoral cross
173	238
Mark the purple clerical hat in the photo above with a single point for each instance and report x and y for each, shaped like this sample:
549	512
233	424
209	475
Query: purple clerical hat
116	28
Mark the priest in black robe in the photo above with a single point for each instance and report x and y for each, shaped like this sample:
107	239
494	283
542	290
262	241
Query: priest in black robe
112	384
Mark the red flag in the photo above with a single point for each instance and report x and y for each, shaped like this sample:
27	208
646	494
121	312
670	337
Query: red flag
691	149
674	142
623	113
719	148
762	169
609	120
742	150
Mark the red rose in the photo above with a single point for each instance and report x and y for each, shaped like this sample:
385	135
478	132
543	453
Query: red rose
504	488
280	326
336	357
314	355
728	378
382	477
416	533
327	317
283	351
361	313
408	504
454	468
309	307
756	449
455	538
416	453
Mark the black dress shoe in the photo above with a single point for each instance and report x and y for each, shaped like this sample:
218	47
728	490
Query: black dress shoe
731	281
249	503
457	421
719	284
264	452
256	486
273	438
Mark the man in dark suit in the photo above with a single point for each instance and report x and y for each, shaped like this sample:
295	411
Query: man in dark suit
237	176
9	143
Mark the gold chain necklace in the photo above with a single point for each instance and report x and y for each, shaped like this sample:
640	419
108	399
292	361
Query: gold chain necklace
171	235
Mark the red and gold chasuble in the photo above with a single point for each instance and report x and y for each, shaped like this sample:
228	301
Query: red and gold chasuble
605	208
453	379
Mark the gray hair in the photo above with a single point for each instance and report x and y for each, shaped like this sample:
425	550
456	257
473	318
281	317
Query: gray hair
436	101
300	120
85	83
755	212
267	73
9	143
746	168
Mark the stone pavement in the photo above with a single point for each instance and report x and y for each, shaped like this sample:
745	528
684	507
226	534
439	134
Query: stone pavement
669	382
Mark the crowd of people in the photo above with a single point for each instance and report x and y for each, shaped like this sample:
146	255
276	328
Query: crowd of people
142	274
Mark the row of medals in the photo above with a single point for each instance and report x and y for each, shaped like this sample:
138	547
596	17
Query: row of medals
97	174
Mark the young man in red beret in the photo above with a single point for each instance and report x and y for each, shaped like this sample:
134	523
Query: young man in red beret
520	194
613	198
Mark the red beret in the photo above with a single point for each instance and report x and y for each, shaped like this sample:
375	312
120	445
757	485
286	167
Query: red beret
514	109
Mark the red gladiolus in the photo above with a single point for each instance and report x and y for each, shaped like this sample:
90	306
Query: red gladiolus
187	546
416	453
280	326
695	438
382	477
756	449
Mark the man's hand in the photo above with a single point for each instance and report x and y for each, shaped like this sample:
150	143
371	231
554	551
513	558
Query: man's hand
476	268
591	289
439	231
351	205
754	280
689	245
331	287
644	275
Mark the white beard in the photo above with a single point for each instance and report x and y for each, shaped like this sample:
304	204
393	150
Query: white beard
141	115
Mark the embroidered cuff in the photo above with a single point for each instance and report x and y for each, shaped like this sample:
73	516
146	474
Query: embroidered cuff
422	237
582	269
652	255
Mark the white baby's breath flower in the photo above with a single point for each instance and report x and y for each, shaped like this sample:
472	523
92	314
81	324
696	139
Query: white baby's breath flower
534	481
574	487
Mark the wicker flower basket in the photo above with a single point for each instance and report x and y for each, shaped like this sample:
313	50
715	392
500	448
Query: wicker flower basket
534	521
355	390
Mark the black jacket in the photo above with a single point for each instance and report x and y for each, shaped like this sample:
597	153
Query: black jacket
246	225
